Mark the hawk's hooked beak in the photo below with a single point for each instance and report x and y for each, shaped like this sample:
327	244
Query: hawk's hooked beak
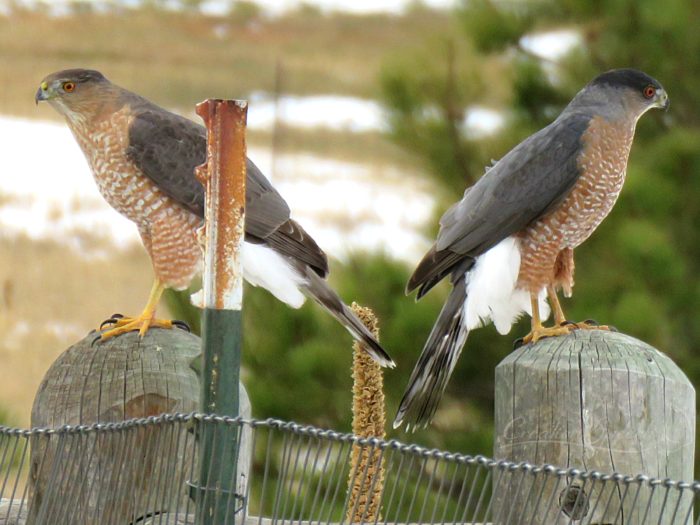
42	93
662	99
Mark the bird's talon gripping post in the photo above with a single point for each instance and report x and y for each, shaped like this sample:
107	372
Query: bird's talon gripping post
112	320
141	323
182	325
518	343
145	325
542	332
119	326
590	324
118	322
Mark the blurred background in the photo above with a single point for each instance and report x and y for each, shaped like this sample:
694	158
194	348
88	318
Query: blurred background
371	117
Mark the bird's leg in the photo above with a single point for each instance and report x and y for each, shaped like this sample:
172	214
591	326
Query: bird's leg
122	325
559	317
538	331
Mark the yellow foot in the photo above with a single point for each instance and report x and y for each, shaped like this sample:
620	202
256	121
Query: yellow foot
540	332
142	323
589	324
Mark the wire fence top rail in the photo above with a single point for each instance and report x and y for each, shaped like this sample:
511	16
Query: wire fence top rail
133	471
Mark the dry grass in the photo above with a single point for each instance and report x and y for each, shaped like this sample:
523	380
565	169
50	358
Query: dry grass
177	59
362	148
51	297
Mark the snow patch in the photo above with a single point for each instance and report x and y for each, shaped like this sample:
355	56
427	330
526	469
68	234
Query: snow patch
61	8
346	207
552	45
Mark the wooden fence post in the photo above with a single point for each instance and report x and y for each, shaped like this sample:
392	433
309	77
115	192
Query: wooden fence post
592	400
122	378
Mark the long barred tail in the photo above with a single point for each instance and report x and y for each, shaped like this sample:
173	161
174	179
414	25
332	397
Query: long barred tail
319	291
436	362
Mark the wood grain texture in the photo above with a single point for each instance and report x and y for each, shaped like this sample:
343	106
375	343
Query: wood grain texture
592	400
121	378
12	512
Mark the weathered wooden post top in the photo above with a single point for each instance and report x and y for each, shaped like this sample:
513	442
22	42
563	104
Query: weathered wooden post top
598	401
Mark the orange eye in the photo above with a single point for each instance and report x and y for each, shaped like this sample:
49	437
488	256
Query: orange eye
69	87
649	91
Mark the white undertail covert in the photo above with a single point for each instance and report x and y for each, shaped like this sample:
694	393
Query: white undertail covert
492	295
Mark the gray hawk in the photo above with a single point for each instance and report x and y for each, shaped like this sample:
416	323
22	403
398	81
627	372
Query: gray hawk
508	244
143	159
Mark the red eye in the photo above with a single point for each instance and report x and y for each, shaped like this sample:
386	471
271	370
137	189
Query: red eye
69	87
649	91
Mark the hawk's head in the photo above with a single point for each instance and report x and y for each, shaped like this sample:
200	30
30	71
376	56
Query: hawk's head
71	90
622	92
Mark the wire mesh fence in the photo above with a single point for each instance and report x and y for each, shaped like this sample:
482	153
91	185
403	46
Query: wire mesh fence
146	472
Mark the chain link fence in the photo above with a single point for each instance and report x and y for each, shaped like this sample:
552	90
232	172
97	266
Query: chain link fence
145	472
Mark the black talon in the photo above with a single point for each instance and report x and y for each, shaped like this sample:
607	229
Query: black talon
612	328
182	325
566	322
518	343
591	322
111	320
95	340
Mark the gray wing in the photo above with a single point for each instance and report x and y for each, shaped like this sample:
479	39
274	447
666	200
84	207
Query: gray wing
267	220
167	148
524	185
266	210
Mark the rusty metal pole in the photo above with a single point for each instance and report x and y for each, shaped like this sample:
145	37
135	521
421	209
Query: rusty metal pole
223	176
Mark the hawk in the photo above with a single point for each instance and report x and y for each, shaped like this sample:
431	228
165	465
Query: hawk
143	159
509	243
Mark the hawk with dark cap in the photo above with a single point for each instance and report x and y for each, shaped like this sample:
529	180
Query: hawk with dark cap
143	159
509	243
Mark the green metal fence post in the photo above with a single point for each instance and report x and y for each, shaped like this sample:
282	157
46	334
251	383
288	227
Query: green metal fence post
223	176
